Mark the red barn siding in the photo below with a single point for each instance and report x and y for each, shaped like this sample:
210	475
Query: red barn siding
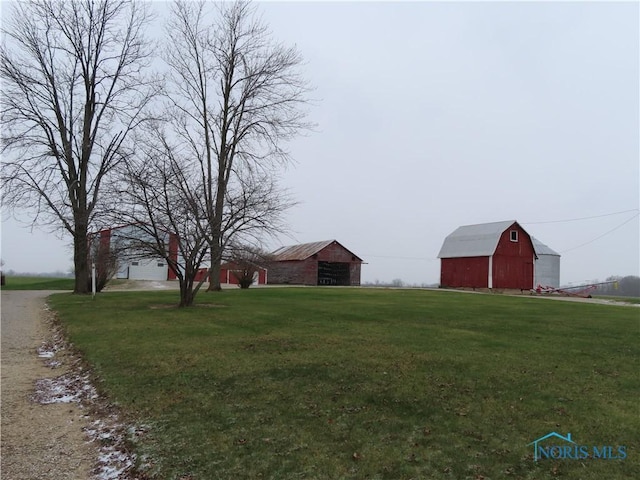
227	276
294	272
513	261
355	272
105	239
334	253
173	253
202	273
465	272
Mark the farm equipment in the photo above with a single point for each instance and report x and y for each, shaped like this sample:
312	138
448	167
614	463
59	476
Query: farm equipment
582	291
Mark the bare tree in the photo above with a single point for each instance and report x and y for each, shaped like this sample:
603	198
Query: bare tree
247	261
162	200
162	196
237	97
254	208
73	89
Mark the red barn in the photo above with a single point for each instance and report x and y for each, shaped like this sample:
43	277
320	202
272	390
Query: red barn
488	255
318	263
230	272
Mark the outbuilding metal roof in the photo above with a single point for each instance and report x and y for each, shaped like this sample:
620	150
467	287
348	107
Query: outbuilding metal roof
304	251
474	240
542	249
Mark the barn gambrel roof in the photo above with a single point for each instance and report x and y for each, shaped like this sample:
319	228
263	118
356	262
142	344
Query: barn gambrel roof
304	251
479	240
542	249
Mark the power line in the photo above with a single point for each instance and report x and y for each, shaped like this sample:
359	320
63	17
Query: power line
582	218
431	259
604	234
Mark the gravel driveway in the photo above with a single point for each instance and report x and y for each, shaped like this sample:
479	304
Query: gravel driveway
38	441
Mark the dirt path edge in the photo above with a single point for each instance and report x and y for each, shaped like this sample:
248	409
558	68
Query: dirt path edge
54	424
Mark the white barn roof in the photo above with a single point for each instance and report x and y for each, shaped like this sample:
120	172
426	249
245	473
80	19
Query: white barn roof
474	240
542	249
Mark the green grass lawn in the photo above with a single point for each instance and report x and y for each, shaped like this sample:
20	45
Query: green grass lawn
37	283
322	383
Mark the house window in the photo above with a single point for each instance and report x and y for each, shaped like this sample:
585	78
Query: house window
135	264
160	264
514	235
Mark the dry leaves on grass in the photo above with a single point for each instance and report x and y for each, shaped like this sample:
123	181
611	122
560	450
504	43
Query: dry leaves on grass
115	461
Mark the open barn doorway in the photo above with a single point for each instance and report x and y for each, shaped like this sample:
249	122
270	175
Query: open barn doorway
333	273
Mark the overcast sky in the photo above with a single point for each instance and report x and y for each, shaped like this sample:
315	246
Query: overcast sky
435	115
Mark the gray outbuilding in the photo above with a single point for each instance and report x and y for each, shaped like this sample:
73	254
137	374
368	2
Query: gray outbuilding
547	265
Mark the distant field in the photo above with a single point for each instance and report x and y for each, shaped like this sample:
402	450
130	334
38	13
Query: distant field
634	300
37	283
313	383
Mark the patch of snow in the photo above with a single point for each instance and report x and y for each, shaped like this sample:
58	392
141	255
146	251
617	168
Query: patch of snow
53	363
114	461
48	349
67	388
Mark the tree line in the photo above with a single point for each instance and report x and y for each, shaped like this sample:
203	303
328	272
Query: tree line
184	136
628	286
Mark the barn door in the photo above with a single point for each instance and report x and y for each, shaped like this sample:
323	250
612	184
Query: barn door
333	273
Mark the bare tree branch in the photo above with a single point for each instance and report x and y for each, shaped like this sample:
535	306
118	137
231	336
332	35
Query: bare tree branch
236	98
74	90
162	199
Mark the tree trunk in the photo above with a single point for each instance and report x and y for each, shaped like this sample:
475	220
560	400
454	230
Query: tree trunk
187	295
216	226
81	258
214	271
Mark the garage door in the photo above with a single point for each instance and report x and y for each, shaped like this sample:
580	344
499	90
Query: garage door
148	270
